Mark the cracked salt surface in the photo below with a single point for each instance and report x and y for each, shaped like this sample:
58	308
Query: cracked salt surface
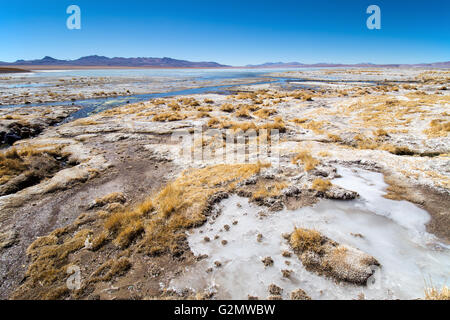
395	235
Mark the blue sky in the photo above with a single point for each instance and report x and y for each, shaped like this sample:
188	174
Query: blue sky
230	32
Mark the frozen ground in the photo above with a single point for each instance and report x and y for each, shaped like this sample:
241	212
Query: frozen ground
393	232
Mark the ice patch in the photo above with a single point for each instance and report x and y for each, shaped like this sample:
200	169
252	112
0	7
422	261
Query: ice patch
401	246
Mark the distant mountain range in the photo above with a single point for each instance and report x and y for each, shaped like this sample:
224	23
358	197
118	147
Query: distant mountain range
101	61
116	62
331	65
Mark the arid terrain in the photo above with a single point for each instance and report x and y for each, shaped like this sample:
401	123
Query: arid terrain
332	185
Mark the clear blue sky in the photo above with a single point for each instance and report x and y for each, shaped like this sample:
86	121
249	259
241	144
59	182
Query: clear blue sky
231	32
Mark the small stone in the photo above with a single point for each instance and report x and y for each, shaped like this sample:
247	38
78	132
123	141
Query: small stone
275	290
288	263
286	273
218	264
299	294
286	254
235	222
206	239
226	227
268	261
357	235
224	242
252	297
209	270
259	237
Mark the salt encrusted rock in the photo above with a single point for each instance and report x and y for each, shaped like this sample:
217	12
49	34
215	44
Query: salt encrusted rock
291	191
8	238
327	257
277	206
338	193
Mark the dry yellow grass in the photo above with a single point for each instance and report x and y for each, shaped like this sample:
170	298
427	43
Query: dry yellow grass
268	189
436	294
324	154
49	258
307	160
438	128
315	126
227	107
169	116
321	185
174	106
299	120
277	124
334	137
306	240
243	112
264	113
16	160
85	122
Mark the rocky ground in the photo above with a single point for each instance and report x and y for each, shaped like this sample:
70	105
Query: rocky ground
116	194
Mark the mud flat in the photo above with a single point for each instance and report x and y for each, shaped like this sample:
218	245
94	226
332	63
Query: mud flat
351	202
12	70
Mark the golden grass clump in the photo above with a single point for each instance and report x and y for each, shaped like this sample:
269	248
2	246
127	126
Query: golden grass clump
301	95
49	257
110	269
324	154
299	120
434	294
306	240
11	164
264	113
85	122
277	124
213	123
265	190
110	198
334	137
190	102
174	106
168	116
438	128
321	185
246	95
243	112
307	160
227	107
381	133
315	126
